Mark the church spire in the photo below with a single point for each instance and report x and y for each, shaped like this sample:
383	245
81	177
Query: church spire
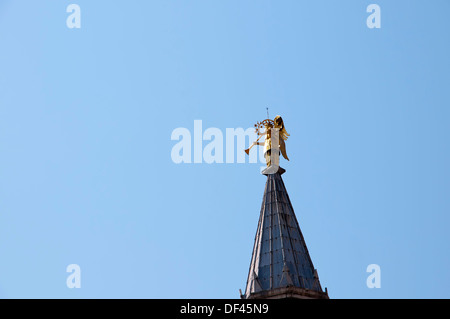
281	266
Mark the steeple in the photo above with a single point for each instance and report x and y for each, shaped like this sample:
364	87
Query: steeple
280	266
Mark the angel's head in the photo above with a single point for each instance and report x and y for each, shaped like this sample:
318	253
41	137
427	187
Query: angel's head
278	123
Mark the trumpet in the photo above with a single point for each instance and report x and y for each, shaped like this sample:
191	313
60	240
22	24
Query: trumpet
253	144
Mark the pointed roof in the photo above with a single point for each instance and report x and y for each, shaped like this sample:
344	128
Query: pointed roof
280	266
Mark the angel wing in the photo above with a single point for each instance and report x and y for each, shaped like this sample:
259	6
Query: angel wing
283	149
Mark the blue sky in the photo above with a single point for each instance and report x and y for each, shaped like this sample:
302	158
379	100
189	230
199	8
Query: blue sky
86	117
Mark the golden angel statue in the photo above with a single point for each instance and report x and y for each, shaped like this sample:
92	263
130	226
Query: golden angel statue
275	136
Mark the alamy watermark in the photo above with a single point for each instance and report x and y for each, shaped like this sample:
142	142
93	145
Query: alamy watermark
73	21
74	279
374	19
374	279
213	145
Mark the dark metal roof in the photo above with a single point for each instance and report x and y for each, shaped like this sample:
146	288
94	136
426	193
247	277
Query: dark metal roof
280	257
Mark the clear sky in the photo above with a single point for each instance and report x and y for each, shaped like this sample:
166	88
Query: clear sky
86	116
